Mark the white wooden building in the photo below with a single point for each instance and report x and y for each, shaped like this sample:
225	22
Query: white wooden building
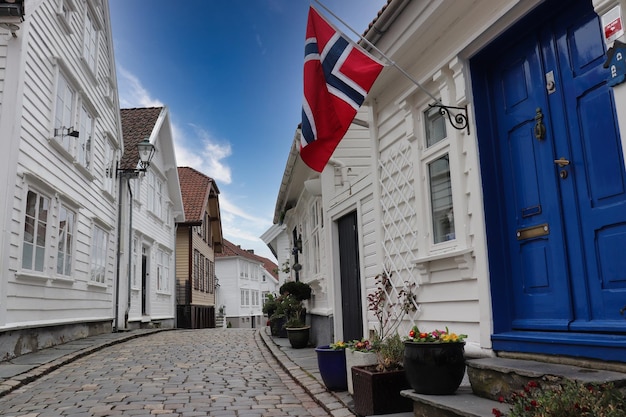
61	134
511	225
155	200
244	279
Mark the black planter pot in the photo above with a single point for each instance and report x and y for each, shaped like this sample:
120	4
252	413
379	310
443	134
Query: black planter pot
434	368
379	392
298	336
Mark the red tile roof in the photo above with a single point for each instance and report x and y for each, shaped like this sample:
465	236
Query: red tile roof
230	249
195	188
137	125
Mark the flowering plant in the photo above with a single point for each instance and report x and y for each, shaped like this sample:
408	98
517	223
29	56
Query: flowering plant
338	345
564	400
362	345
435	336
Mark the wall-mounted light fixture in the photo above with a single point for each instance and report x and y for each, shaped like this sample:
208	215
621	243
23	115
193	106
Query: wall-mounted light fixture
65	131
146	151
297	246
11	15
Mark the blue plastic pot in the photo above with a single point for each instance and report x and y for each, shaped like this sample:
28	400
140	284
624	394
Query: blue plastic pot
332	366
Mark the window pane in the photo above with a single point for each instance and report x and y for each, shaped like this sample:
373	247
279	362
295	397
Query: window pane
441	200
435	126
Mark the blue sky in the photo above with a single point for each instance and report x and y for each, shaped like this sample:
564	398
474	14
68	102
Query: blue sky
230	73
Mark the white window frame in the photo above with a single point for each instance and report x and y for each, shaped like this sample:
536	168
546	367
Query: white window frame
65	104
64	12
66	237
38	224
98	255
432	152
91	40
84	142
163	270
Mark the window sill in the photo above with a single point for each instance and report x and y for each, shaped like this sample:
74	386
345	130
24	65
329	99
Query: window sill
33	276
99	285
62	279
460	259
84	170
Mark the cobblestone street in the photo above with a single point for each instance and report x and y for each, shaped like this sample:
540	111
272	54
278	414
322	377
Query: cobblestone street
180	373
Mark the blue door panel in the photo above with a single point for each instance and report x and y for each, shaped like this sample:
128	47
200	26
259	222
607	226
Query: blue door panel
558	230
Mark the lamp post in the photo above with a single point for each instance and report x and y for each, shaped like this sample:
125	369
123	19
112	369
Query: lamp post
146	151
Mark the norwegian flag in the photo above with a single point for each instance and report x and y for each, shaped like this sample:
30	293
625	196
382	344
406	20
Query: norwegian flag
338	74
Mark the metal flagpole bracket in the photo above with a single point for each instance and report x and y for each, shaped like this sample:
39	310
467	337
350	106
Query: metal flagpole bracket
458	119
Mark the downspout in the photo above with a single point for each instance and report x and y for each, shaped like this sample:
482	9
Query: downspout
119	254
130	251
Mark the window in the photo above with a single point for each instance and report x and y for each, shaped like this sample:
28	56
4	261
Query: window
439	178
196	269
441	199
66	241
134	262
155	194
64	117
313	244
211	272
435	126
163	270
35	231
83	142
90	41
64	14
108	179
99	241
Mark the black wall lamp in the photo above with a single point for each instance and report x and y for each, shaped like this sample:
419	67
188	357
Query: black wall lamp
65	131
298	244
146	151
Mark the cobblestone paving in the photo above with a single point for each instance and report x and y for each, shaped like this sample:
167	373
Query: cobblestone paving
182	373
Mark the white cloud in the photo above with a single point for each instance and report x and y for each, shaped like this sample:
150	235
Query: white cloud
196	148
132	93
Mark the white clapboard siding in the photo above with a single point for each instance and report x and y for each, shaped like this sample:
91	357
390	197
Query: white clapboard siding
48	46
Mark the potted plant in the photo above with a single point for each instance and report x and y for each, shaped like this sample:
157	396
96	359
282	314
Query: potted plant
278	318
434	361
358	353
331	361
377	387
297	330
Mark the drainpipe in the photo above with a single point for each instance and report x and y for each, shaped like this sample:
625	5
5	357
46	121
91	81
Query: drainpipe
130	251
119	253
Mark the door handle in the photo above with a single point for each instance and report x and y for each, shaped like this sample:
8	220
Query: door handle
562	162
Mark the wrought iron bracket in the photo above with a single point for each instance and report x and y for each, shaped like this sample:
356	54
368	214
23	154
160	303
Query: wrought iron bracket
458	118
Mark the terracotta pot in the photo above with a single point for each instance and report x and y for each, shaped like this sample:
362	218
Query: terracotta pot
434	368
379	392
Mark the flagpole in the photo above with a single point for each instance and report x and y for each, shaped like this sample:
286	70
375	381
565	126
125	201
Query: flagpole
371	45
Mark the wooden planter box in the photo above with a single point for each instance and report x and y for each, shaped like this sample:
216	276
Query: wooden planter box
379	392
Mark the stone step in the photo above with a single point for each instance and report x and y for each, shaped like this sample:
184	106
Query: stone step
493	378
462	403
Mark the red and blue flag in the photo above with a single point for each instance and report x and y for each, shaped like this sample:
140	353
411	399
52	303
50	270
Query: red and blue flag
338	74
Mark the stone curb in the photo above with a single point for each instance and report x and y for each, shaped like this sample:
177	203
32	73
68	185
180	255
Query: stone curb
9	385
326	399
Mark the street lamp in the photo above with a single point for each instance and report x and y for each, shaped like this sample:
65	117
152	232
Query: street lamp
146	151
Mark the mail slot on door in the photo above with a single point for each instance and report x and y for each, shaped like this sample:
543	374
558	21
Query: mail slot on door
534	231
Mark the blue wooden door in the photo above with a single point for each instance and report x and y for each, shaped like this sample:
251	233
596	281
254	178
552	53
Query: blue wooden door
561	175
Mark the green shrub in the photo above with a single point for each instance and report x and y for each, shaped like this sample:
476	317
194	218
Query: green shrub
299	289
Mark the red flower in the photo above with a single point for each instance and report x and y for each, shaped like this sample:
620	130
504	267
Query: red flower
501	399
412	334
496	412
